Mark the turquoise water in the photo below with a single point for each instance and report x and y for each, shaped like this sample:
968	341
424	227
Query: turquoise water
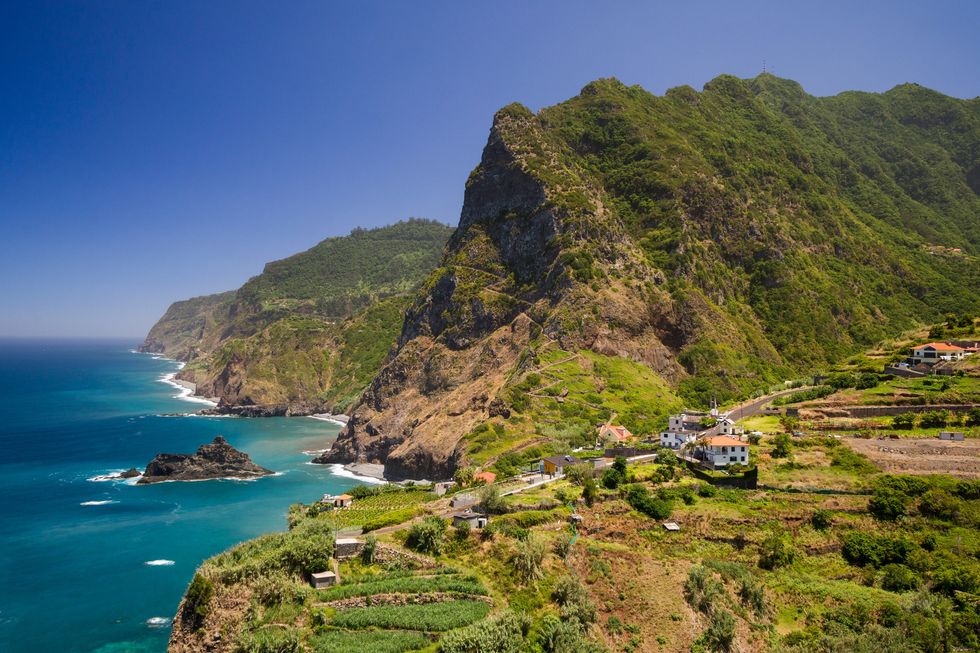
74	577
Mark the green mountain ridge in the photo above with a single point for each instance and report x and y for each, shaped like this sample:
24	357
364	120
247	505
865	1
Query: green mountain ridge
723	240
311	330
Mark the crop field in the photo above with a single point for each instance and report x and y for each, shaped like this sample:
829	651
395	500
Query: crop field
437	617
922	455
382	509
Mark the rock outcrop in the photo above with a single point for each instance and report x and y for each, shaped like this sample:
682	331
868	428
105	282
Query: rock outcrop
216	460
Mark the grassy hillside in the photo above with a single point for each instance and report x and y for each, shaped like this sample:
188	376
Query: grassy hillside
832	556
310	331
724	240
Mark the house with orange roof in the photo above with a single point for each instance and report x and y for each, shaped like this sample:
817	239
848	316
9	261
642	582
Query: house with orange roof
931	353
723	450
609	434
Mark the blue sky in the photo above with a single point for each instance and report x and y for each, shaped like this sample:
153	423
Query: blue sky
152	151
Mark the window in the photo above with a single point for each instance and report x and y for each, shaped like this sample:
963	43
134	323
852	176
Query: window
733	459
743	459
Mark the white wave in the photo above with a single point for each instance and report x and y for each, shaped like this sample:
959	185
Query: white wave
159	563
184	392
314	452
105	502
338	469
333	419
158	622
102	478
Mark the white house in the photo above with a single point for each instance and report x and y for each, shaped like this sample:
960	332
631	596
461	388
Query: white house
723	450
677	439
682	429
933	352
728	426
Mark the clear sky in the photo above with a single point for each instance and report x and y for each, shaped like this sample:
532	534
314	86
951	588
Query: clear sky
152	151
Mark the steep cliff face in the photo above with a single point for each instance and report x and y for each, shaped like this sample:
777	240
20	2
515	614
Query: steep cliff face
308	333
701	244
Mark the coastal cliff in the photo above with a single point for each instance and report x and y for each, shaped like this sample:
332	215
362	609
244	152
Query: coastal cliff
309	333
621	253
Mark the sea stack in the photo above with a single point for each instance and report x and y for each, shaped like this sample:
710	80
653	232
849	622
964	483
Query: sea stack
216	460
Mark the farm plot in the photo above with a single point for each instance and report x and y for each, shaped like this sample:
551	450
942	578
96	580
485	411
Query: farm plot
384	509
922	455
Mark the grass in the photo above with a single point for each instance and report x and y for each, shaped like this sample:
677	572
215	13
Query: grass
436	617
385	641
406	585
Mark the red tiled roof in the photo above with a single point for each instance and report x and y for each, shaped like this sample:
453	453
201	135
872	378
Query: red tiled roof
724	441
940	346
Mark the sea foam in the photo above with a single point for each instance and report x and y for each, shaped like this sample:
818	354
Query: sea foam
158	622
105	502
159	563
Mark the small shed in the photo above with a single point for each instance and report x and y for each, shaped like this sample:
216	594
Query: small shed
955	436
474	519
346	547
323	579
343	501
556	465
672	526
442	487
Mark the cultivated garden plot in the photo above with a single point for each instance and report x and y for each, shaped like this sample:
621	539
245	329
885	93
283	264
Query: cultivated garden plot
922	455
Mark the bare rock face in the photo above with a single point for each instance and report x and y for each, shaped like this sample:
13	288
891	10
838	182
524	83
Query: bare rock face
505	280
216	460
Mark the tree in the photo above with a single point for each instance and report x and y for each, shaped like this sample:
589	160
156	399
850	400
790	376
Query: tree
491	500
427	535
641	500
619	466
789	423
667	457
782	446
464	476
887	504
528	559
578	474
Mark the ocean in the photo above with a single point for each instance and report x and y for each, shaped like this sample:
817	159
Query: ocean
100	565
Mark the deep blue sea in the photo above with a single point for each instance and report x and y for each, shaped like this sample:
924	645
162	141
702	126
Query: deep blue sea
74	551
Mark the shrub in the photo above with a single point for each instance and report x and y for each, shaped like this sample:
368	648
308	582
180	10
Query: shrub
278	588
611	479
904	421
528	559
753	595
667	457
707	490
197	600
821	519
782	446
866	380
887	504
571	597
721	631
862	549
589	491
701	589
640	499
369	549
427	536
562	545
898	578
933	419
580	473
972	417
491	500
776	550
940	504
852	461
954	578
